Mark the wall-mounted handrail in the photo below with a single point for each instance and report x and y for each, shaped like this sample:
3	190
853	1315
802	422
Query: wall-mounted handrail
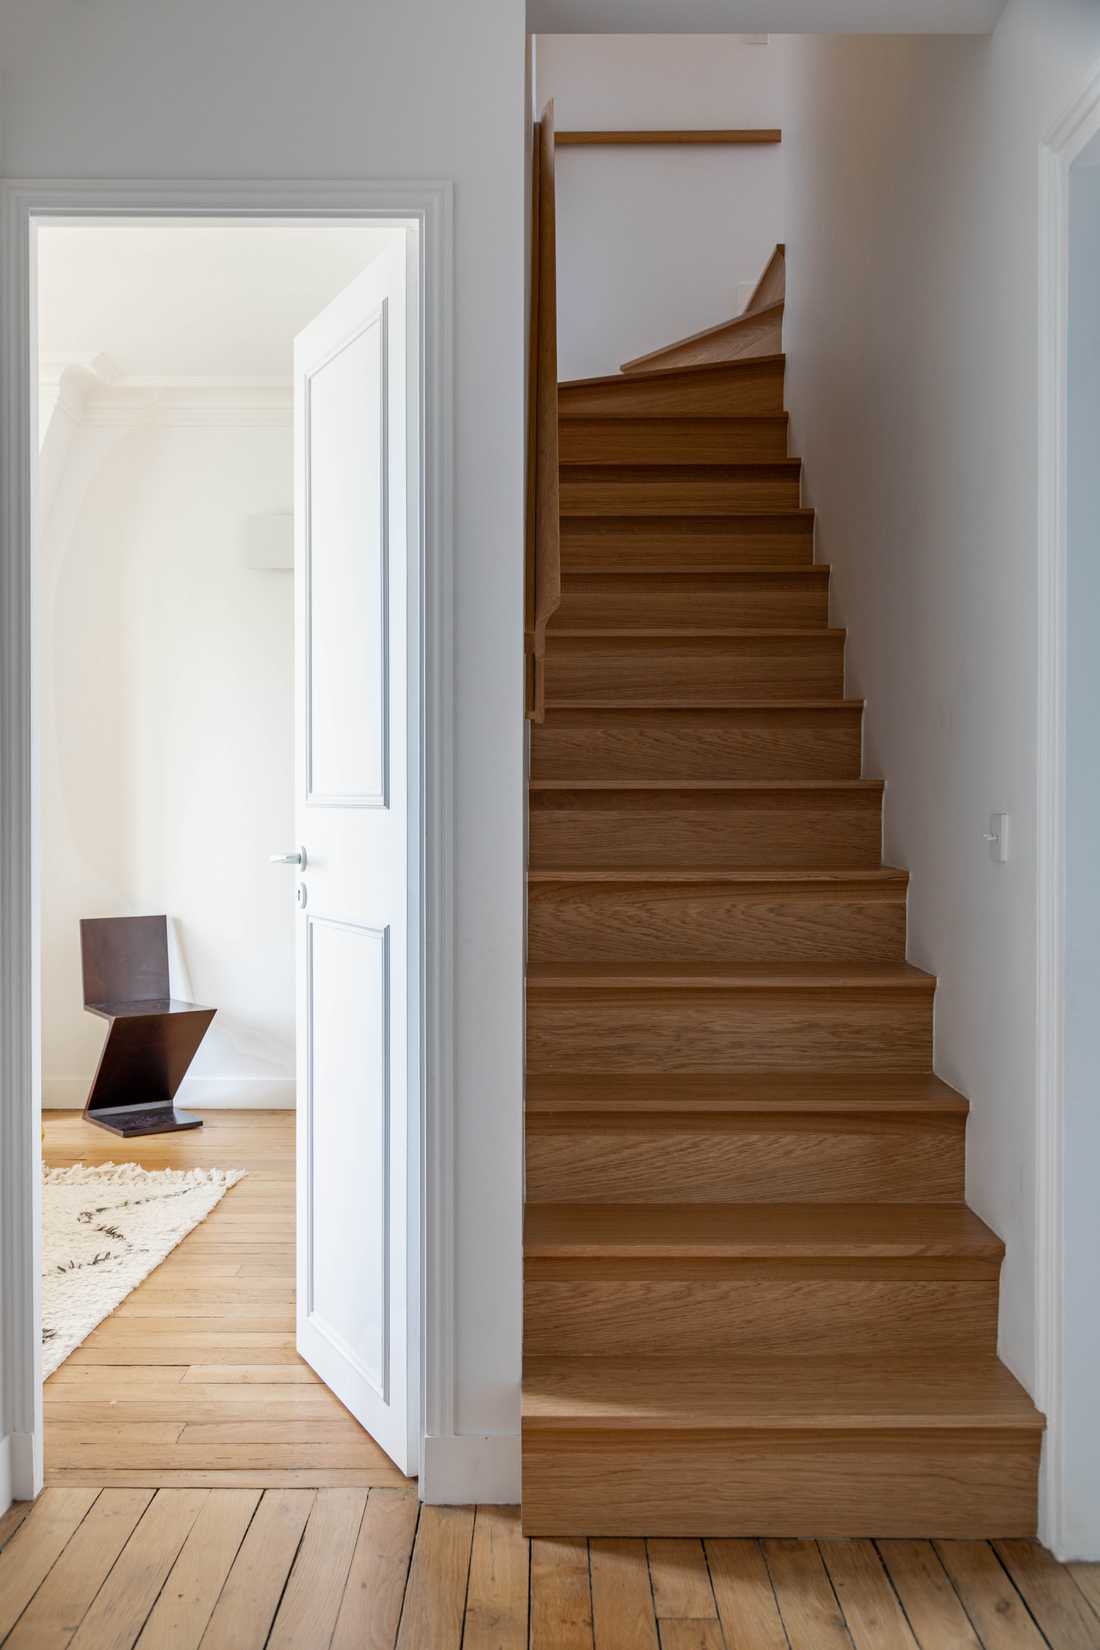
543	567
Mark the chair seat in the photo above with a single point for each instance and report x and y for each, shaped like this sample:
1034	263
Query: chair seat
144	1007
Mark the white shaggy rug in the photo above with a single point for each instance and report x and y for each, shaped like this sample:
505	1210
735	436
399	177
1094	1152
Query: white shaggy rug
105	1227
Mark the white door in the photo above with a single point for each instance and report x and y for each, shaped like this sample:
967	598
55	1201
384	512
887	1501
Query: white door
356	707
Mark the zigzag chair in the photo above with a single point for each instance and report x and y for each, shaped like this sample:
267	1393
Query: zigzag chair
152	1037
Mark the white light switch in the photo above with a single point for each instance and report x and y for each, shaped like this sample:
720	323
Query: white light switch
997	837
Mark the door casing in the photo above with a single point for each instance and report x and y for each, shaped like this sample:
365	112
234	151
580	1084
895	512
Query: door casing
427	205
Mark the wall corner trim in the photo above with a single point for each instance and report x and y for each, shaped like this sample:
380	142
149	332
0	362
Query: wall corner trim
1063	144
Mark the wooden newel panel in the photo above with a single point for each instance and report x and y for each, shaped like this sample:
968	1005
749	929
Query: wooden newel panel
543	584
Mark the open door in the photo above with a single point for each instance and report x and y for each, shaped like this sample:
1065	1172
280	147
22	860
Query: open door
356	708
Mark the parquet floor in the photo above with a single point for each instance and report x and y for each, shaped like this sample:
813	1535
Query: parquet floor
369	1569
207	1493
193	1382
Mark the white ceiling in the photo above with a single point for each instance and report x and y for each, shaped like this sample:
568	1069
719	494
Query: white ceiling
172	302
763	16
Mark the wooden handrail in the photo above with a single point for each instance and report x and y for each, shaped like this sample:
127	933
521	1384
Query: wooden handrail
543	568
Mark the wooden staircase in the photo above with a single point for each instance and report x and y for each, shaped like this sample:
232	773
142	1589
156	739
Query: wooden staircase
755	1301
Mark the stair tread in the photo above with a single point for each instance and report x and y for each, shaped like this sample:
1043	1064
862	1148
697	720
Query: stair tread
730	1093
682	705
794	1394
699	976
649	524
753	362
680	633
746	319
772	1231
811	570
655	421
793	785
580	469
876	876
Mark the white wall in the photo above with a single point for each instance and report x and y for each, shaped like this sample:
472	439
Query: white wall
1081	1328
657	243
167	724
152	89
913	253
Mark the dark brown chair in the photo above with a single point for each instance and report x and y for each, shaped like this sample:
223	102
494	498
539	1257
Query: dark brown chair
152	1037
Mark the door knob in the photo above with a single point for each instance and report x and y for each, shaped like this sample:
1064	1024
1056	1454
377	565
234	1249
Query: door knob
297	858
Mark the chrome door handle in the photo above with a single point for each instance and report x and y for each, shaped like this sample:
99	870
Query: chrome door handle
297	858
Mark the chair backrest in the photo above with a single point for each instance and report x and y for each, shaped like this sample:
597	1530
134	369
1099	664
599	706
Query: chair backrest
125	959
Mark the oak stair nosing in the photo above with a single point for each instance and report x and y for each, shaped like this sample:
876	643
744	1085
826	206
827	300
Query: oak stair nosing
698	633
836	978
584	1094
686	707
574	469
734	787
759	1231
814	1394
791	879
813	570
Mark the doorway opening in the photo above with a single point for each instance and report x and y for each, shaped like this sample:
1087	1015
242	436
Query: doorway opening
230	483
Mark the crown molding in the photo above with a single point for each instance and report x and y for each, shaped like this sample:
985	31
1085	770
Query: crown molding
89	399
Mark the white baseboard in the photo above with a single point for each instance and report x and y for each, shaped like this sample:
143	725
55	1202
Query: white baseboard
20	1469
201	1093
458	1470
25	1457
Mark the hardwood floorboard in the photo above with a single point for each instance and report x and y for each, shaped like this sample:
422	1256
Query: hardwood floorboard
497	1598
343	1566
180	1616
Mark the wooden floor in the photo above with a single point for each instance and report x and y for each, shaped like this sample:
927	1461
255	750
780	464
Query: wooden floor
359	1569
206	1490
193	1382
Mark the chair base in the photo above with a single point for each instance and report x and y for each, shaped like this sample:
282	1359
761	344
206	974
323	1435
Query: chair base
144	1120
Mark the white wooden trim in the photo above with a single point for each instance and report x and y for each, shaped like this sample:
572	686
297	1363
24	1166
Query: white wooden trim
470	1467
1062	146
430	204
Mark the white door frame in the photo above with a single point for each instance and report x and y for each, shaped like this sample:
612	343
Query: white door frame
1062	146
23	203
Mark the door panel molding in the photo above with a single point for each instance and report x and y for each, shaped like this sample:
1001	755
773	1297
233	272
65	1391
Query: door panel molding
311	1320
376	796
429	205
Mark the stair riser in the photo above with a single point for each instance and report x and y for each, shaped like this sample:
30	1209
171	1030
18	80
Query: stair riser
698	671
672	440
619	601
580	922
756	1317
830	1486
647	829
605	497
746	389
615	544
758	1160
779	744
730	1030
576	1312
